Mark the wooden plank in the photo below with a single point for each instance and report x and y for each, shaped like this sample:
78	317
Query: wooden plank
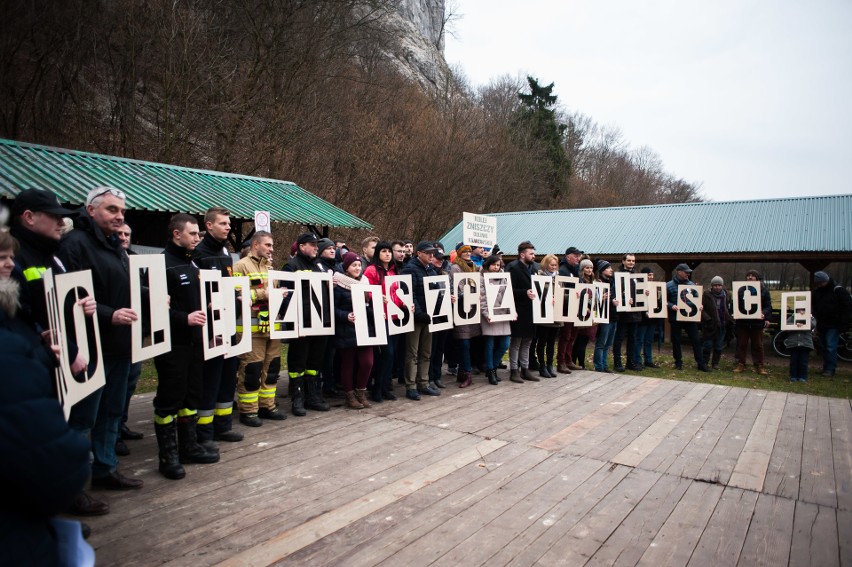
676	540
722	459
479	547
278	547
586	536
818	484
642	446
815	536
750	469
841	448
722	540
442	539
844	528
569	408
633	536
664	454
785	464
538	537
617	433
570	434
380	545
690	460
770	533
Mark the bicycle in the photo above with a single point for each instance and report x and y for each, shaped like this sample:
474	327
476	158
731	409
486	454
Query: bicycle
844	345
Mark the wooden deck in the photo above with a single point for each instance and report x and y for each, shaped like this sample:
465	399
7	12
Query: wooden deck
588	469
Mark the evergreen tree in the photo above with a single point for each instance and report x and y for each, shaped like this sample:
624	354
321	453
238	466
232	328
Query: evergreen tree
537	127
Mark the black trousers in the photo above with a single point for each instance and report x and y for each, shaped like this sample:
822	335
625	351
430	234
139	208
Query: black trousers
179	379
306	354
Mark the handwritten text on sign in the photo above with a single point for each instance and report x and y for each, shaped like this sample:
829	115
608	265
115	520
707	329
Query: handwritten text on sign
479	230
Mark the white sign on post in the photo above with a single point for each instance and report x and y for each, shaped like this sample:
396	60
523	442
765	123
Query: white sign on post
230	288
479	230
582	305
564	288
400	318
316	304
657	302
542	287
499	298
689	303
62	294
149	271
283	293
797	300
466	287
363	315
747	300
213	332
437	290
262	221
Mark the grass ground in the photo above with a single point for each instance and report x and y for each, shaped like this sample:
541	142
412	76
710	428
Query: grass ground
778	379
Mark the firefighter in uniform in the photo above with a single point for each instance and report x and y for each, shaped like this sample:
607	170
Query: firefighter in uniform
179	371
257	377
220	373
305	355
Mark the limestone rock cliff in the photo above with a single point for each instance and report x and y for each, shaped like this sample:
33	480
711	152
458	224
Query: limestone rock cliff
420	49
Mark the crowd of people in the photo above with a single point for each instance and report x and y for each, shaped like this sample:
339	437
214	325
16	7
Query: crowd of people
195	398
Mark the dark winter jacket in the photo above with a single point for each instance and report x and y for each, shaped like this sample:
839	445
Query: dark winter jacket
418	271
183	280
344	329
45	462
521	275
831	306
711	326
87	248
566	269
212	254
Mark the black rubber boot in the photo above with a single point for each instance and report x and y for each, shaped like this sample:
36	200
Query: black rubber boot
297	394
223	429
170	466
189	449
313	395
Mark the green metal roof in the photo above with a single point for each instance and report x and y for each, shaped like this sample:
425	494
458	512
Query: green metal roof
801	224
159	187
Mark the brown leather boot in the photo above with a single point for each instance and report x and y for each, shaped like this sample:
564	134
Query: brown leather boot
514	377
468	379
740	367
759	368
563	368
361	396
352	402
572	366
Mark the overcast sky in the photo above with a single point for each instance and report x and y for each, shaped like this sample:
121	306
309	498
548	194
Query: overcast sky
750	98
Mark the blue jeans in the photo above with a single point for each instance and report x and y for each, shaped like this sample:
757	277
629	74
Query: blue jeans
132	380
606	333
799	363
495	347
464	348
108	420
643	346
830	338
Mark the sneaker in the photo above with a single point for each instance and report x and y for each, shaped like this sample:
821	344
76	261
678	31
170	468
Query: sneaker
250	419
412	395
274	414
429	390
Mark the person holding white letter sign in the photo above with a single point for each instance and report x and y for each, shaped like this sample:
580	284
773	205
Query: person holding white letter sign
676	312
94	246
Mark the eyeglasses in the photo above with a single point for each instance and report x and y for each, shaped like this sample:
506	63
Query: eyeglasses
101	191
